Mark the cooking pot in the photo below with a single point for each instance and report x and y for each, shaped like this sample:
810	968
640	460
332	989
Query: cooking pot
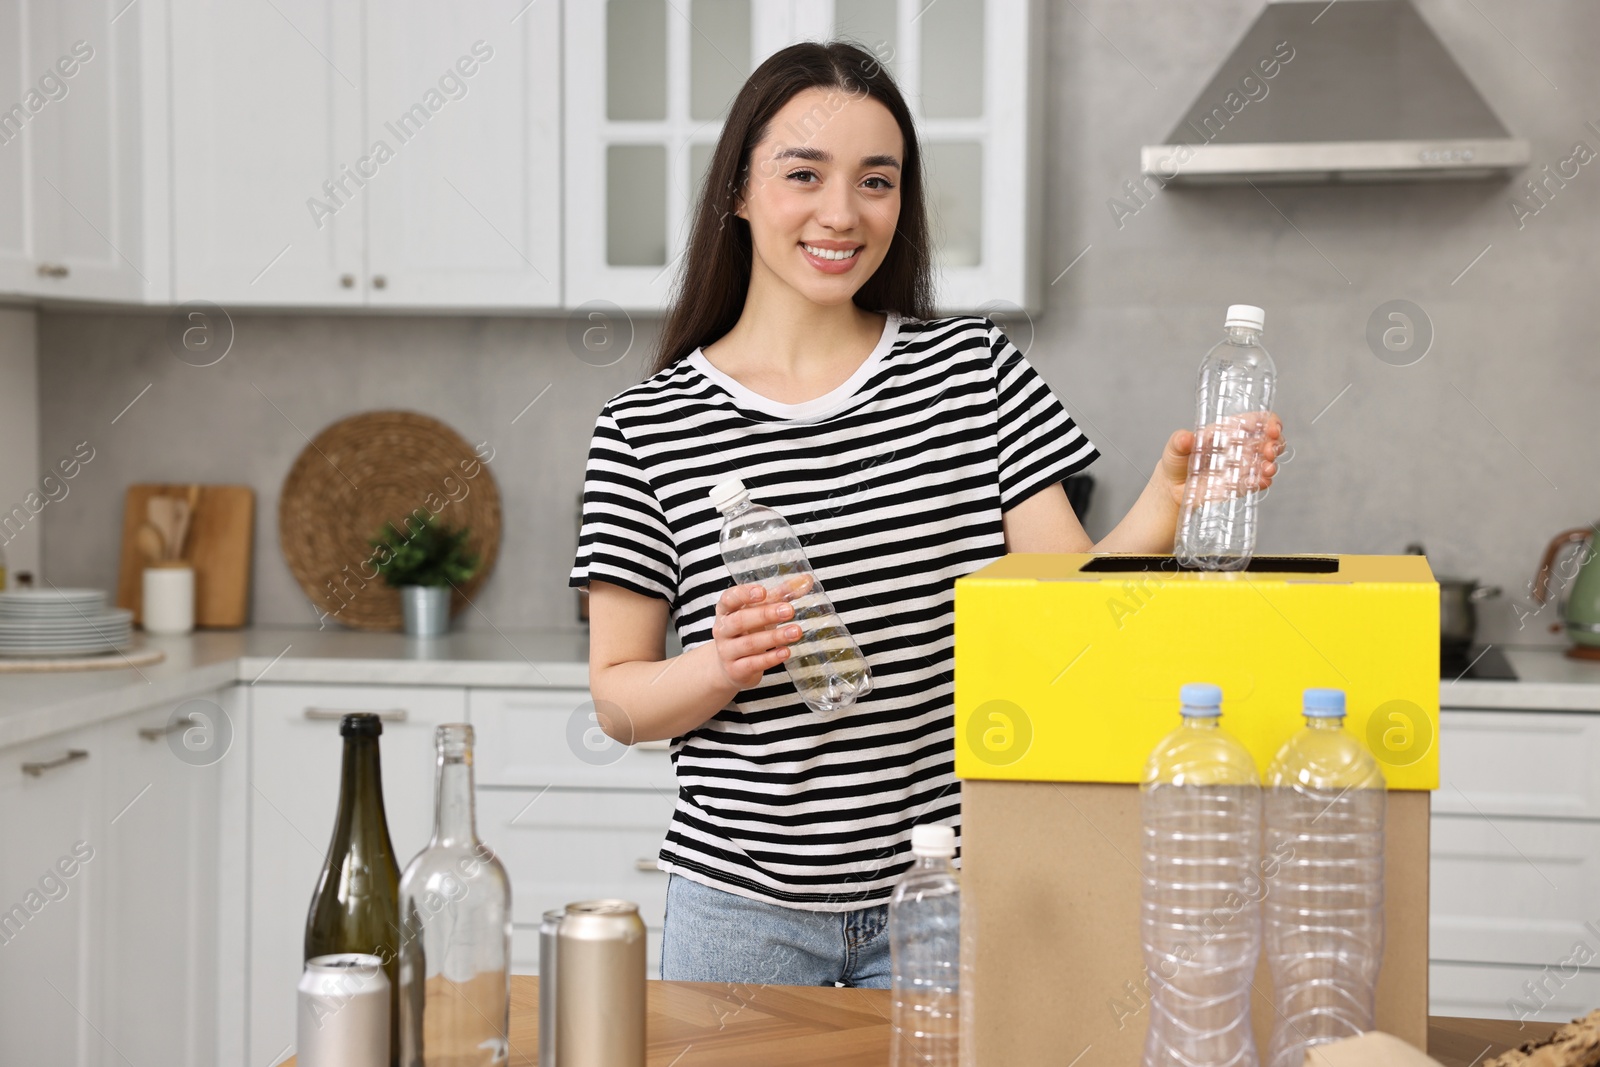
1458	617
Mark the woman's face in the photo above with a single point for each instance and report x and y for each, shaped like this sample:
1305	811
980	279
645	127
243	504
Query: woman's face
825	181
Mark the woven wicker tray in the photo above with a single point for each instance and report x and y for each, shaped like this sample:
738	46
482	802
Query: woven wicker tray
366	469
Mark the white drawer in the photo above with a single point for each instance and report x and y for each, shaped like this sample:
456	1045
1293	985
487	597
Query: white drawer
1512	890
539	737
525	950
1538	764
562	845
1499	992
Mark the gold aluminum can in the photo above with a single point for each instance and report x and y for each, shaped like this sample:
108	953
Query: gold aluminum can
600	985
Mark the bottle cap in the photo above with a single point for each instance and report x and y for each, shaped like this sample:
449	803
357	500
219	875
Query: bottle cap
725	493
928	839
361	724
1245	315
1324	703
1201	699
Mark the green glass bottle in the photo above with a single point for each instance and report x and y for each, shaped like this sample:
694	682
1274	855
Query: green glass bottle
356	907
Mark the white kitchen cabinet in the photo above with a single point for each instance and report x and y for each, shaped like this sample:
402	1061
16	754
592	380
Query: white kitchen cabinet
335	154
160	953
83	163
53	847
295	760
266	109
550	737
642	122
109	850
1515	863
467	214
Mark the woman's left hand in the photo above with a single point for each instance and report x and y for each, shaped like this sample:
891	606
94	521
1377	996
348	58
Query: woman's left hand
1173	471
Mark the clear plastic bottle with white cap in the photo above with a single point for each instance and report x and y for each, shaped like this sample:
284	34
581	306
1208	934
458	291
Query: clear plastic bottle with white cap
1200	909
925	954
760	548
1325	803
1217	519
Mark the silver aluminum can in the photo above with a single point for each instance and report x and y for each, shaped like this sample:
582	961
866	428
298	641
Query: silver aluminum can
600	985
343	1012
549	929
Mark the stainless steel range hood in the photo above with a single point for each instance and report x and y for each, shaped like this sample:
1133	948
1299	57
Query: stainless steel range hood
1356	90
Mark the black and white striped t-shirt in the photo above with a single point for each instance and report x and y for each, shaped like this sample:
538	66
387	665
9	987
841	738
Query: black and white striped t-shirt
895	483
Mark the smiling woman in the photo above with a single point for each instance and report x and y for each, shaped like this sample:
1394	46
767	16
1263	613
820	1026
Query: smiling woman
802	355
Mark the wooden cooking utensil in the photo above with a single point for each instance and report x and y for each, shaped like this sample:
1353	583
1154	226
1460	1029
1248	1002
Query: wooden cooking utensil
150	543
160	510
218	545
180	527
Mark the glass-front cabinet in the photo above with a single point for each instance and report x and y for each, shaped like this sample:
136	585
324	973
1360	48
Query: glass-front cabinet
645	108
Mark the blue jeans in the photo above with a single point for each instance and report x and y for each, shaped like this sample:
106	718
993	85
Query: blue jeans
712	936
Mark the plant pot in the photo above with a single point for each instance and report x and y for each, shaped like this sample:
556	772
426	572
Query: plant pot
426	609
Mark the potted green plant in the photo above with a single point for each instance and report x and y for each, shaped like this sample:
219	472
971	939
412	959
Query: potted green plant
424	565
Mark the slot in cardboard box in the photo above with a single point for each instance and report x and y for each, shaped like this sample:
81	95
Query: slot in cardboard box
1067	675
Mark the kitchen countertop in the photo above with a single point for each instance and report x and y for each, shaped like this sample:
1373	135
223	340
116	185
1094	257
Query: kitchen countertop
734	1025
34	705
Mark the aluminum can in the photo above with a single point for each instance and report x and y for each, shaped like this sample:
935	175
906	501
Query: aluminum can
343	1018
549	930
600	985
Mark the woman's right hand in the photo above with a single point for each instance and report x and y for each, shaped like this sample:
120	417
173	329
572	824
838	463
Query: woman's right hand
753	630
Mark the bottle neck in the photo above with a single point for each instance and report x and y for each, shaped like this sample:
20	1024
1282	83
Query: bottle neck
1331	723
1243	335
739	506
921	862
1208	721
454	820
361	818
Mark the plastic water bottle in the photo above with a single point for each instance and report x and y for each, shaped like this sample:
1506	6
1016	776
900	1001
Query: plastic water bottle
1325	801
1200	919
924	951
759	546
1217	520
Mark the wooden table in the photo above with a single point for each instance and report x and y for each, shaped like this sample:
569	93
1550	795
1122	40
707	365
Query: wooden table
704	1024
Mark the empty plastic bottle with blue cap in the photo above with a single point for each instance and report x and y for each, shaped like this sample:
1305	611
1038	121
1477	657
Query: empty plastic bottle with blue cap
1325	800
1200	915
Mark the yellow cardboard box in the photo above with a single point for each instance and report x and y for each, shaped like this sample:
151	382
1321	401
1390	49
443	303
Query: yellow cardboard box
1067	675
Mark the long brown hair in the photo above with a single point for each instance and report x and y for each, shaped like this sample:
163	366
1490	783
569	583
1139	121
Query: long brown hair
709	291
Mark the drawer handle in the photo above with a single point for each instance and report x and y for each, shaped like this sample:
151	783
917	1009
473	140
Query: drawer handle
648	865
335	714
54	270
36	769
664	745
156	733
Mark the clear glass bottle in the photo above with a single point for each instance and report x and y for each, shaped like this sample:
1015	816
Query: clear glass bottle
925	954
1325	804
455	925
1200	914
1217	519
759	546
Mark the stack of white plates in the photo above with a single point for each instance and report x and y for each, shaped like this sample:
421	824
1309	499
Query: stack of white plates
61	622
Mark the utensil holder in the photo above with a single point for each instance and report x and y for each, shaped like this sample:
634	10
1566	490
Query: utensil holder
168	606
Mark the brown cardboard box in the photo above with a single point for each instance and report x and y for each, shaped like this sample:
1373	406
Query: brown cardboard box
1052	868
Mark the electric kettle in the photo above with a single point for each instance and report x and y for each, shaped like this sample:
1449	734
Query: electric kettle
1580	574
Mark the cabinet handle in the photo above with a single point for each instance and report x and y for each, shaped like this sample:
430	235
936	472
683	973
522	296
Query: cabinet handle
648	865
379	281
156	733
347	280
36	769
392	715
663	745
54	270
